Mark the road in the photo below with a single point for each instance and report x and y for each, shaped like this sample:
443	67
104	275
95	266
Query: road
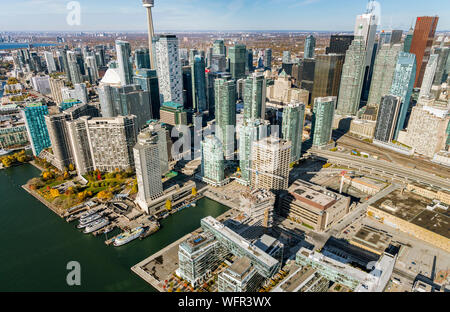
417	162
383	168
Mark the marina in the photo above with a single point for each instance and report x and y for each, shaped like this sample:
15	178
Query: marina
98	261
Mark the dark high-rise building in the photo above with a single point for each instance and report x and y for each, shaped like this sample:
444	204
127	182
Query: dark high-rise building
422	41
142	58
187	87
408	41
287	67
303	72
327	75
387	118
268	59
238	57
339	44
148	80
249	64
396	36
199	84
443	53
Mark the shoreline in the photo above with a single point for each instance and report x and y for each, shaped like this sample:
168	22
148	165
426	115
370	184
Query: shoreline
42	200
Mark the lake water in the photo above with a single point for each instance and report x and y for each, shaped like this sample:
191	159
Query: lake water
37	244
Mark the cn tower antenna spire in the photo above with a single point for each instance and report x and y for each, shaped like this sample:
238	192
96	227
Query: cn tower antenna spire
148	4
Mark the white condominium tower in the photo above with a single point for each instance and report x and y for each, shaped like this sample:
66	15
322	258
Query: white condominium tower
148	170
169	69
366	26
50	60
270	164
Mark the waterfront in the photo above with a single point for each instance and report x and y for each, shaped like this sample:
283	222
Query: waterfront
37	244
11	46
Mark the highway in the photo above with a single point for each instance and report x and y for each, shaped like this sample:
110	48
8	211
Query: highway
383	168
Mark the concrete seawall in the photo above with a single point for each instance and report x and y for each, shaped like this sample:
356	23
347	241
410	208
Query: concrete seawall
42	200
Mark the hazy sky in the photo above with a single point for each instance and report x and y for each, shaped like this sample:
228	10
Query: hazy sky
126	15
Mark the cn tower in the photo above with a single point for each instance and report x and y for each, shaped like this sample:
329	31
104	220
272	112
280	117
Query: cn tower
148	4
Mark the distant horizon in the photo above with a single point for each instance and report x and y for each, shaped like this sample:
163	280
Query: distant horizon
201	31
216	15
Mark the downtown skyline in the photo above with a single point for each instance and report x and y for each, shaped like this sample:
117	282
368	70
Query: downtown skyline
217	15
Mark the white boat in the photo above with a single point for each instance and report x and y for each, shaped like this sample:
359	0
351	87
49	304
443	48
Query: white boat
88	213
3	152
86	221
96	225
127	237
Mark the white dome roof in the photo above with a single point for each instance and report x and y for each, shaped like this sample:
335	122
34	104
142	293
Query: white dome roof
111	77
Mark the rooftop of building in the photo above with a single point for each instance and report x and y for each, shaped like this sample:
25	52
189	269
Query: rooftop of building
258	195
428	187
172	105
197	241
241	266
412	207
294	281
240	241
273	142
371	238
345	269
314	195
268	244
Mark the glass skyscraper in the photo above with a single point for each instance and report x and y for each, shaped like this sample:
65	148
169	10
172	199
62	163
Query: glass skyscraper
403	84
310	46
383	73
327	75
148	80
292	127
199	99
268	59
213	167
255	96
352	78
238	57
408	41
252	130
387	118
322	121
33	114
142	58
123	50
219	48
225	106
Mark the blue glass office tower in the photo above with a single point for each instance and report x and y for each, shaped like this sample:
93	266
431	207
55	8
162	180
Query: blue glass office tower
403	84
148	80
310	46
142	58
199	84
33	114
